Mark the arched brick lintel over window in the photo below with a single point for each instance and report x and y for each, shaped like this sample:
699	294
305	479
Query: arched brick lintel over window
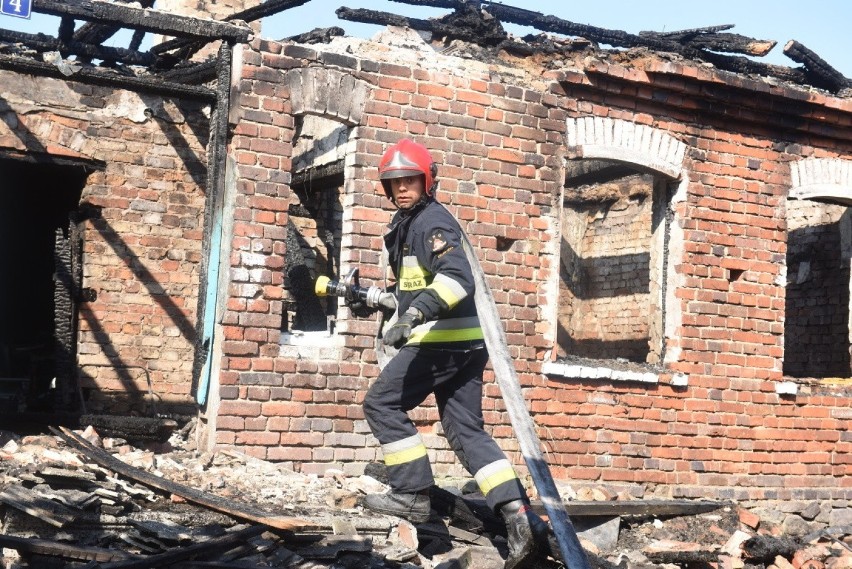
623	141
327	92
823	179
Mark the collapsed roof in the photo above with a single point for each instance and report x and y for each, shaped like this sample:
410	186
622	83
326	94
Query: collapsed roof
168	68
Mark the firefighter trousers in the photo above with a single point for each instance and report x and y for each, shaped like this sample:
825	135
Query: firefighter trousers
455	377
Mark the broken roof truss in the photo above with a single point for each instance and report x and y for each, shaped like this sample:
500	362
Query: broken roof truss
167	69
478	21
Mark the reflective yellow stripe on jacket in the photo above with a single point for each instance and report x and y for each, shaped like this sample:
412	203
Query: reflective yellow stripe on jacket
448	290
447	330
412	275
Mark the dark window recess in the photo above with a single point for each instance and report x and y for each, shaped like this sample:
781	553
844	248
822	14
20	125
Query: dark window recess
313	247
816	325
40	277
611	264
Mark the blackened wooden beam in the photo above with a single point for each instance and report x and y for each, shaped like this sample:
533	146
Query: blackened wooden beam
691	32
98	32
42	43
214	193
268	8
264	9
318	35
196	74
618	38
710	38
216	503
732	43
824	74
178	554
66	29
143	19
384	19
450	26
556	25
447	4
106	78
37	546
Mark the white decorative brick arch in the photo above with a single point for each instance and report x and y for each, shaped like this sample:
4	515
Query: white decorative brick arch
624	141
824	179
327	92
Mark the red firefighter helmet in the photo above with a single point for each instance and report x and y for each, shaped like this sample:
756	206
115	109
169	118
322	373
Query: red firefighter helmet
407	158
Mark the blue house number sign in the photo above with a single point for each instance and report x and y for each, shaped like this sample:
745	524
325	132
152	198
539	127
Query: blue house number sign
17	8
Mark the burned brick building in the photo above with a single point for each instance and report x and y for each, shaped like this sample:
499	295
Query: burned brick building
665	230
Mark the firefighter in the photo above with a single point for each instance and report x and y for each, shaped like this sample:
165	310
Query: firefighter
441	352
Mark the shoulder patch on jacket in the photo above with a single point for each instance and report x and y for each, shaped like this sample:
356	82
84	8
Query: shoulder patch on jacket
438	240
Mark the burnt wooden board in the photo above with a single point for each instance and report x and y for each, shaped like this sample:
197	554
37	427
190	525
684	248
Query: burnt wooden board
212	501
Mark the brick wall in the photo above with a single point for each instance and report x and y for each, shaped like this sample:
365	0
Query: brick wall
141	253
717	269
500	137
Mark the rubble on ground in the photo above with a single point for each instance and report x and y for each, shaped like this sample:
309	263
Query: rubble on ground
60	507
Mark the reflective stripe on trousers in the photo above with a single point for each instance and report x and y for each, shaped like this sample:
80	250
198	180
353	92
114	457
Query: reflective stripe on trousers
455	377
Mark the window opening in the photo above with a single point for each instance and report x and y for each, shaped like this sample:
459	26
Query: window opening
612	259
315	223
40	279
816	326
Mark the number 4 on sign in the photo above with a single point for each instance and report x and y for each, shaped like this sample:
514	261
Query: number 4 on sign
17	8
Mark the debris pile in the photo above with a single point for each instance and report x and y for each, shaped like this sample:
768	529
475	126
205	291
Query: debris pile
76	499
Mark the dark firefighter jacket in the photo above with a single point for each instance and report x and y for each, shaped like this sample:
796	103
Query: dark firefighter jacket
433	275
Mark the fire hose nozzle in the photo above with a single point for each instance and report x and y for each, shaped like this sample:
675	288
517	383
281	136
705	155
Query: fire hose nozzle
350	289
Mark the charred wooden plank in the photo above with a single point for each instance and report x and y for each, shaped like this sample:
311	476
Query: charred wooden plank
463	24
42	43
823	74
705	38
106	78
131	428
217	503
384	18
616	38
64	550
318	35
188	47
98	32
677	35
267	8
66	29
638	508
182	553
142	19
195	74
39	507
732	43
762	548
448	4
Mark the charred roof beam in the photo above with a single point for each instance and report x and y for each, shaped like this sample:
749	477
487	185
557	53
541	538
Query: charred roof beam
461	25
143	19
42	43
189	47
823	74
106	78
710	38
97	33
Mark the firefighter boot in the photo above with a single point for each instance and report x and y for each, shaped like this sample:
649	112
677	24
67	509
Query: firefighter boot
414	507
527	534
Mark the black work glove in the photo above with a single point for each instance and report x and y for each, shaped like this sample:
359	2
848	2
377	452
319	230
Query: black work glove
360	309
399	333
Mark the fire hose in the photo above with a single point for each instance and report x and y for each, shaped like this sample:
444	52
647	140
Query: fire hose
507	380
